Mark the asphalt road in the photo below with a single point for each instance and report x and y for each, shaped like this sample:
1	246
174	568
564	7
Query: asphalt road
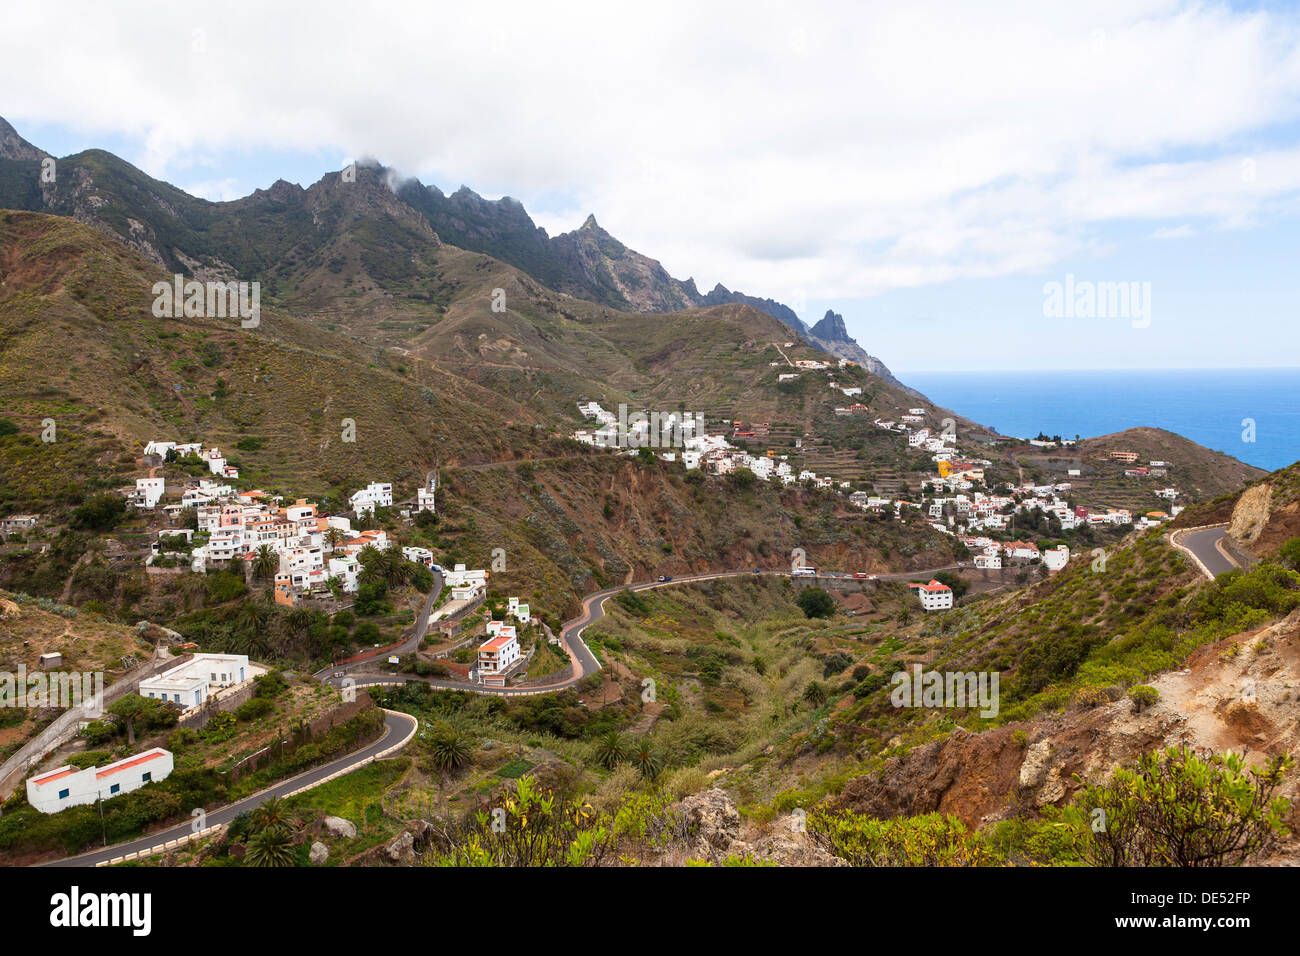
407	646
396	727
1207	545
593	609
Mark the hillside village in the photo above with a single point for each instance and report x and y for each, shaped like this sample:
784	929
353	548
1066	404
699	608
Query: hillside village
955	500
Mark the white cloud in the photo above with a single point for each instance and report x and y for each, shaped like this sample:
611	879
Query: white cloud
844	148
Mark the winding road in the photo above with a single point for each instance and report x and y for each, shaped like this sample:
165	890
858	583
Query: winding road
1206	546
400	728
582	660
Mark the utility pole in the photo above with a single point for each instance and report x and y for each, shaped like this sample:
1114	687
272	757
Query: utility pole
103	826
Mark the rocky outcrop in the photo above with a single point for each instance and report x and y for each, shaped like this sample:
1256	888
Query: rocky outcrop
712	831
401	849
319	853
1251	514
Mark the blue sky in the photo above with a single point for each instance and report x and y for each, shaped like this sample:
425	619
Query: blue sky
923	170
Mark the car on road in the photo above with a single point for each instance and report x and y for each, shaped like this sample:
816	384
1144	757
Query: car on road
340	674
859	574
665	577
758	570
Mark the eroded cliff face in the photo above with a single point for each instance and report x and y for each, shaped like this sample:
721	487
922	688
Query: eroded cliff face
1251	514
1240	694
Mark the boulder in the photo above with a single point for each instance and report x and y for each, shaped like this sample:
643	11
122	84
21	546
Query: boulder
339	827
319	853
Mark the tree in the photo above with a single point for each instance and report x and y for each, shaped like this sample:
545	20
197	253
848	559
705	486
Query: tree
266	562
815	693
449	749
646	758
612	749
816	602
132	709
100	513
272	812
1143	696
270	847
1175	809
1290	553
333	536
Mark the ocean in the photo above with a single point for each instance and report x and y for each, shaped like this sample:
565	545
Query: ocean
1209	406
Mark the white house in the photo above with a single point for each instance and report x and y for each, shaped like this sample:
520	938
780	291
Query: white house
148	492
934	596
990	562
1055	558
69	787
345	568
520	612
460	577
418	555
424	498
498	653
377	494
191	683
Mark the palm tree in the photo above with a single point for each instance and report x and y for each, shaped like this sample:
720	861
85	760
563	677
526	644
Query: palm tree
332	537
371	561
449	749
270	813
396	570
646	759
270	847
266	563
612	749
815	693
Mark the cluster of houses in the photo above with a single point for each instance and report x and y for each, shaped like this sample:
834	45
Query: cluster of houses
212	457
695	448
312	549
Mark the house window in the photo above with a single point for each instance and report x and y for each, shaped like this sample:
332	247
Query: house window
63	794
146	777
115	788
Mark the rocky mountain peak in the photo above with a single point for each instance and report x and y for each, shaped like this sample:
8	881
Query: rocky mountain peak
831	328
13	146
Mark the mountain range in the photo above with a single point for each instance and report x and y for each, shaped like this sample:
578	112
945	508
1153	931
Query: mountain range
248	237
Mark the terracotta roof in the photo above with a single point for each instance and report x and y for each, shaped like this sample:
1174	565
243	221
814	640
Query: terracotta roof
53	775
128	763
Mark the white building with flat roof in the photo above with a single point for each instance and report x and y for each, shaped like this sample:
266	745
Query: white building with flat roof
192	682
377	494
67	786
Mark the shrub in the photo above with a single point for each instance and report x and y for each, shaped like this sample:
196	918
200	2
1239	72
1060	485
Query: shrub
1175	809
253	708
816	602
1143	697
